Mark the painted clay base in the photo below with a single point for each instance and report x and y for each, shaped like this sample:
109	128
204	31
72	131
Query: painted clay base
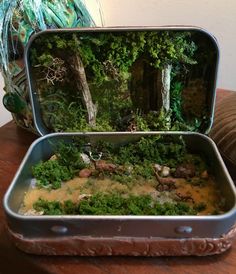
130	246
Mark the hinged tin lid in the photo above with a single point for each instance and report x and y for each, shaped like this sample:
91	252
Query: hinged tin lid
122	79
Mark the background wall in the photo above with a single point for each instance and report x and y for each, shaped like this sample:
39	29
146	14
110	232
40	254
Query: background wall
5	116
217	16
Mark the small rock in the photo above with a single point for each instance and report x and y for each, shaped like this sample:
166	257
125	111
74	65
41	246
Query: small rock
85	173
185	171
84	197
158	167
33	183
33	212
85	158
204	174
128	171
104	166
53	157
165	172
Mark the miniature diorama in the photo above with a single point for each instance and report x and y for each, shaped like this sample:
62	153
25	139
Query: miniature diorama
155	175
124	80
127	168
143	80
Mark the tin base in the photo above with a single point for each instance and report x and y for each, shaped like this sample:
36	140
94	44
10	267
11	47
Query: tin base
125	246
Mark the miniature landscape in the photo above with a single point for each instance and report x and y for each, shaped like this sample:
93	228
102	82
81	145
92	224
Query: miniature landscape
123	80
155	175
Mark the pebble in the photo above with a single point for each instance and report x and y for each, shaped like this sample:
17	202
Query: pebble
204	174
85	173
158	167
104	166
85	158
165	172
185	171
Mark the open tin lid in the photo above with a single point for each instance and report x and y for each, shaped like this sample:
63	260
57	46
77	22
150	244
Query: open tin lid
122	79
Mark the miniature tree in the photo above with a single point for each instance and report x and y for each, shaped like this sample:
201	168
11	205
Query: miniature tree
82	85
163	49
99	57
66	49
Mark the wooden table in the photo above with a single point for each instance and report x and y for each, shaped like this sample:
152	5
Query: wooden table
14	142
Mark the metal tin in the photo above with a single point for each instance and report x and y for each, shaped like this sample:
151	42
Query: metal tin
166	227
114	226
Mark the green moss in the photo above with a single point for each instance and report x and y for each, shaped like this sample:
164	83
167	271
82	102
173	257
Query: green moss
152	149
69	155
107	59
134	160
48	208
50	174
144	171
200	207
122	178
113	204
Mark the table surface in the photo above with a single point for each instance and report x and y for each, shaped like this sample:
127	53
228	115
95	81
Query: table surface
14	143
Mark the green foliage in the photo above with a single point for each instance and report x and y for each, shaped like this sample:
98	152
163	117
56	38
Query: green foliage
143	171
159	120
108	58
153	150
122	50
114	204
175	101
47	207
141	123
200	207
136	160
68	155
119	50
50	174
198	161
63	111
45	60
170	47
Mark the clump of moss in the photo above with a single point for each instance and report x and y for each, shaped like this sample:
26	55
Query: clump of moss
200	207
69	155
108	60
134	160
151	149
51	174
113	204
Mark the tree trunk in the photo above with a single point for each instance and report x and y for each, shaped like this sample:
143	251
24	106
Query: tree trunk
164	84
82	85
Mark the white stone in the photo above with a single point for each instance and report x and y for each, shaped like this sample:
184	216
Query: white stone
165	171
85	158
158	167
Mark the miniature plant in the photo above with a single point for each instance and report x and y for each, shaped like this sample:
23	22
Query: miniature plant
153	175
50	174
106	67
69	155
113	204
